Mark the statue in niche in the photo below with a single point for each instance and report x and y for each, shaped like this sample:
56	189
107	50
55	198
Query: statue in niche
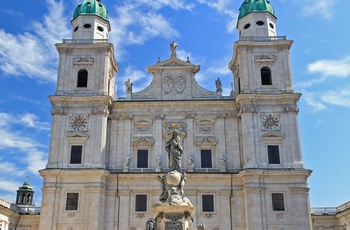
158	164
173	47
128	85
174	150
222	162
218	85
190	163
126	162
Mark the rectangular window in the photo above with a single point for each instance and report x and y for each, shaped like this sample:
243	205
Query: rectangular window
206	160
72	201
141	203
75	154
142	158
274	154
208	203
277	202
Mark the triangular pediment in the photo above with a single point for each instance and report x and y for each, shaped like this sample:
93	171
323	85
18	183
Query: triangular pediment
143	141
272	135
172	63
77	136
206	141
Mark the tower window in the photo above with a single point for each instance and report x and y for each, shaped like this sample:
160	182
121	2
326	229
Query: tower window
277	202
272	26
266	76
260	23
75	155
247	26
142	158
207	203
82	78
72	201
141	203
76	28
100	28
206	159
274	154
87	25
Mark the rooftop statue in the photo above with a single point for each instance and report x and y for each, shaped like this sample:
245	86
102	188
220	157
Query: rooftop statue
173	47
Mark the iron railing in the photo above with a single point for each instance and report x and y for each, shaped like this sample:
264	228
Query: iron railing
85	41
263	39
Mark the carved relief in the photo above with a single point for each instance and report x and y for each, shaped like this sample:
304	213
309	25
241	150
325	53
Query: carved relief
78	122
205	126
180	84
100	110
58	111
143	141
168	84
142	127
206	141
87	61
270	121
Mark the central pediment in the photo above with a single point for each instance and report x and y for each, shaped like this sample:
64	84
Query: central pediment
173	63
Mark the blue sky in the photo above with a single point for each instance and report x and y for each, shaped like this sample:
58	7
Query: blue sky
205	31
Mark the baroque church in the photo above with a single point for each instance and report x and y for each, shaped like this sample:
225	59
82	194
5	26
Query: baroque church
241	153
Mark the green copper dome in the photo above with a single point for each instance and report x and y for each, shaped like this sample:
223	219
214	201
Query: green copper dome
26	186
251	6
91	7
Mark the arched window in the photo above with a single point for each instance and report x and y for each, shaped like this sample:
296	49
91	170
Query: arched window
82	78
266	76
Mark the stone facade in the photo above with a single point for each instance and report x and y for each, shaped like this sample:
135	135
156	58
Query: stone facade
242	152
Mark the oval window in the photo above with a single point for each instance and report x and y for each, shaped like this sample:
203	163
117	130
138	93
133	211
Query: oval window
100	28
260	23
272	25
247	26
76	28
87	26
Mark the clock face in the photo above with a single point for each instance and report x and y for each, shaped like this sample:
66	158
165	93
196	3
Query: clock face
270	122
78	122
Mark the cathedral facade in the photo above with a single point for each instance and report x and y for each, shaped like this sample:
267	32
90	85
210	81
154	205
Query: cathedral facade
241	153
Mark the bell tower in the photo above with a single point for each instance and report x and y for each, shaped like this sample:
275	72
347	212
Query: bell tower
77	162
268	115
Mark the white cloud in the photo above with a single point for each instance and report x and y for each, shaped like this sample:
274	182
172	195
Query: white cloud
321	8
176	5
337	97
223	7
326	69
331	68
31	54
134	25
314	102
7	185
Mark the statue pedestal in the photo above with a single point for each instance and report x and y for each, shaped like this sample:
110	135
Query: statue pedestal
177	217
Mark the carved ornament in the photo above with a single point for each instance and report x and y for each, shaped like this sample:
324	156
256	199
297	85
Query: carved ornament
83	61
168	84
78	122
58	111
270	121
180	84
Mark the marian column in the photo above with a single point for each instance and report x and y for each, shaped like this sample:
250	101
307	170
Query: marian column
173	211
